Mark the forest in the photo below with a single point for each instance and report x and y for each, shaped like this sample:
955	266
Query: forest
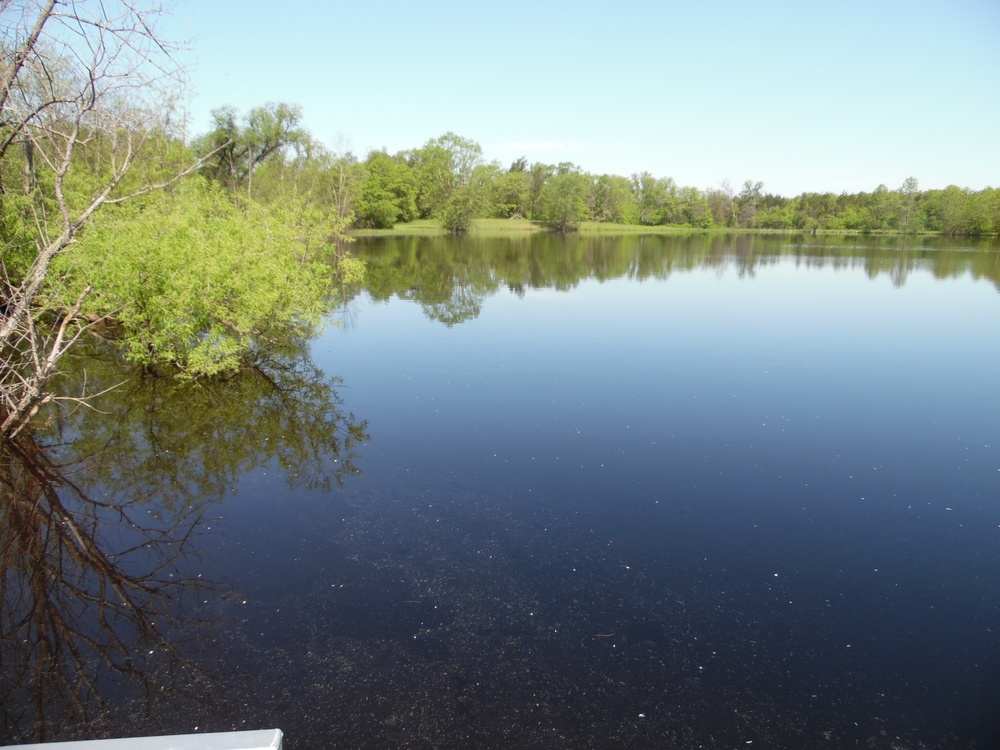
447	179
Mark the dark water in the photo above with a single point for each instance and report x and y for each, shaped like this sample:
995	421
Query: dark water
656	492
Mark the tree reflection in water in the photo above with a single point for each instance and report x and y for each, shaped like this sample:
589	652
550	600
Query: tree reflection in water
105	622
84	610
451	278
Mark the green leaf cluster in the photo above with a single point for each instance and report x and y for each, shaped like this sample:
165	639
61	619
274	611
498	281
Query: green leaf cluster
198	281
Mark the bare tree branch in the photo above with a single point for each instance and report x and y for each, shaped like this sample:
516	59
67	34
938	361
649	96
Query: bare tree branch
78	78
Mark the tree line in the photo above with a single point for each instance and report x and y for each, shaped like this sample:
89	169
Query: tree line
448	179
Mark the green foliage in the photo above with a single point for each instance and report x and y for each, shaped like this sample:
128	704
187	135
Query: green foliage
199	282
447	181
955	211
387	192
30	215
775	217
519	164
509	194
564	200
749	203
720	205
305	170
440	166
613	200
17	239
239	145
694	207
460	209
468	200
657	200
537	177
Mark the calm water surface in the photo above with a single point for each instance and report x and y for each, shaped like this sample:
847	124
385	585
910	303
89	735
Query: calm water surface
645	492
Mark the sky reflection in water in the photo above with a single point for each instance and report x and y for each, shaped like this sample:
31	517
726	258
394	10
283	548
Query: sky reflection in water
715	507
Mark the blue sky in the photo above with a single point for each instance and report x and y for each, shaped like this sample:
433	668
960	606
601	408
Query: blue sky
803	95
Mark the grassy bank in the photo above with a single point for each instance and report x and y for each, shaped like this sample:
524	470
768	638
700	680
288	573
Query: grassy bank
432	228
508	227
513	227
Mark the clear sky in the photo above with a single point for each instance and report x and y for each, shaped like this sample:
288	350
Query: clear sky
805	95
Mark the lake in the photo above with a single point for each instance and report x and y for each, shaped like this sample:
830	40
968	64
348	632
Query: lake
682	491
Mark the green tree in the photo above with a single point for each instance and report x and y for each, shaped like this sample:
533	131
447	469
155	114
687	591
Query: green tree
387	192
346	176
305	169
657	200
613	200
519	164
440	166
470	199
649	197
694	207
564	200
538	176
463	205
509	194
815	210
978	218
910	192
956	211
991	207
749	203
236	146
885	207
775	217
